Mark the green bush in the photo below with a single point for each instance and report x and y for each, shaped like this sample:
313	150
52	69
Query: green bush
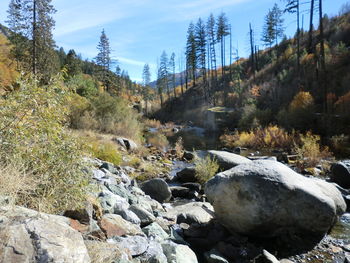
84	85
106	151
33	136
206	168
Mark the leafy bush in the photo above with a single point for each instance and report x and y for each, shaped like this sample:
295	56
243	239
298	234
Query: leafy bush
84	85
341	145
272	137
205	168
33	135
106	114
309	150
106	151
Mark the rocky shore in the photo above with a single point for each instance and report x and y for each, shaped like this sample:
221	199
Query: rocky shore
256	211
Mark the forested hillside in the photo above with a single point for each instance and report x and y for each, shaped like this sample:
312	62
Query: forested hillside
278	86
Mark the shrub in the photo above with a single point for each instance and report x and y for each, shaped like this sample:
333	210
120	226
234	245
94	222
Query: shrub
33	134
272	137
158	140
84	85
106	151
152	123
309	151
205	168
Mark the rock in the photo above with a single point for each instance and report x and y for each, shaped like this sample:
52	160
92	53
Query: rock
154	254
193	186
176	253
341	173
129	216
182	192
214	256
194	212
145	216
155	231
101	252
157	189
119	189
187	175
268	199
189	156
33	237
83	215
111	203
227	160
135	244
108	166
128	144
268	257
115	225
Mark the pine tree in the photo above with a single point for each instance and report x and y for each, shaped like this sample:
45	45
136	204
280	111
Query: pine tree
164	72
31	24
172	68
103	59
278	22
211	35
222	30
268	33
72	63
201	43
191	53
146	79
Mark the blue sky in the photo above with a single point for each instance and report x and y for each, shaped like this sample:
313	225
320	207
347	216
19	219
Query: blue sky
139	30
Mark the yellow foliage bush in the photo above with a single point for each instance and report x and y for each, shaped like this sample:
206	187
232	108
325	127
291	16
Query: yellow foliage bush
302	100
106	151
309	150
270	137
8	72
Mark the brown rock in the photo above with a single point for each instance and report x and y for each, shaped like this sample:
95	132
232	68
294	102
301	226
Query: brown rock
115	225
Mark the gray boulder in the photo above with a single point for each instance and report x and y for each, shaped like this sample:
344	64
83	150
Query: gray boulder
227	160
268	199
155	231
194	212
127	144
341	173
157	189
29	236
137	245
176	253
154	254
145	216
187	175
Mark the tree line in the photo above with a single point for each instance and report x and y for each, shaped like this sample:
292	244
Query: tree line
31	25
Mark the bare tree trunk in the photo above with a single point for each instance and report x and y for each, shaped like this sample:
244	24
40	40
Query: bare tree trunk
298	44
323	58
310	49
34	55
252	48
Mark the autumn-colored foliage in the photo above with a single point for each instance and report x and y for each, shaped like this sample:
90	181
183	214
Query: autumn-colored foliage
8	73
302	100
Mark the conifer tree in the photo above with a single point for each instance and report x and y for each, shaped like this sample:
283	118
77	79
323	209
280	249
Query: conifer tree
103	59
31	24
146	79
191	53
172	68
201	43
222	30
211	35
72	63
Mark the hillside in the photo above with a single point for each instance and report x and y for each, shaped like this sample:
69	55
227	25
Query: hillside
264	96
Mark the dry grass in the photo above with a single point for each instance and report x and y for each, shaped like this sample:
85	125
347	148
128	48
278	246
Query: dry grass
16	183
152	123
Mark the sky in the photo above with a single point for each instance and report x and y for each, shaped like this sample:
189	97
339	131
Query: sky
139	30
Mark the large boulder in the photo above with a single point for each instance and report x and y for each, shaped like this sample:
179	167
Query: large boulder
157	189
29	236
115	225
227	160
176	253
187	175
128	144
341	173
268	199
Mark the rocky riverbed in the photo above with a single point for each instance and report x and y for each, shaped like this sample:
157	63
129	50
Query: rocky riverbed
241	214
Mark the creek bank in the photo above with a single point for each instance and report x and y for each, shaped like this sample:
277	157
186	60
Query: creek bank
123	224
